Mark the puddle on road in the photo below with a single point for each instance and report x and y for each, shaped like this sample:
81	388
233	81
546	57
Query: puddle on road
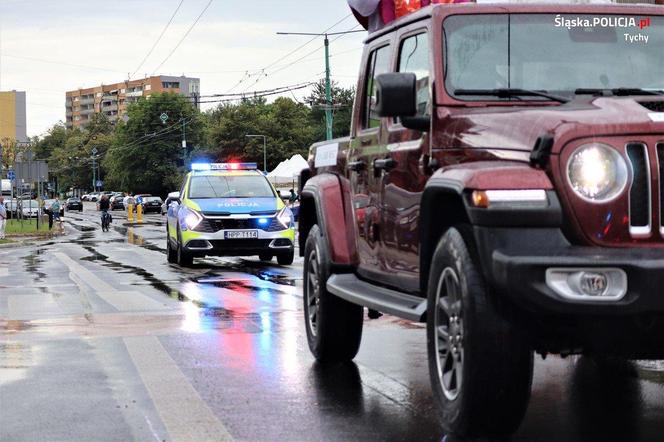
206	310
32	263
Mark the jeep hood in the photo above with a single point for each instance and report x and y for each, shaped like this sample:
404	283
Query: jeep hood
517	128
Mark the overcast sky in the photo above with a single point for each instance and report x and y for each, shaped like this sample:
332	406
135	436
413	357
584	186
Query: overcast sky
48	47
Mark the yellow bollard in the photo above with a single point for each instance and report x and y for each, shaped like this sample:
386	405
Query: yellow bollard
130	213
139	213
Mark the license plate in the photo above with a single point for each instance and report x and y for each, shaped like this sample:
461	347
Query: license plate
243	234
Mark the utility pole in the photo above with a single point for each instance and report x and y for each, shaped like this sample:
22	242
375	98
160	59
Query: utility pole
264	149
329	118
184	142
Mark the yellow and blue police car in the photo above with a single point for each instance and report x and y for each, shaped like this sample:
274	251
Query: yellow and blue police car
229	209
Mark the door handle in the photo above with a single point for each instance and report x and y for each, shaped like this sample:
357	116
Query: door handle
356	166
385	164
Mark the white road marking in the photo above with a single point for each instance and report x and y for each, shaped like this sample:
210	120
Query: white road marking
185	415
29	306
124	301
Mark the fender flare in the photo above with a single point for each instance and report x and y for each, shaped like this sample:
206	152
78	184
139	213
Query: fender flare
328	196
445	202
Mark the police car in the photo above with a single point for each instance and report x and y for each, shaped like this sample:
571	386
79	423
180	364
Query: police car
229	209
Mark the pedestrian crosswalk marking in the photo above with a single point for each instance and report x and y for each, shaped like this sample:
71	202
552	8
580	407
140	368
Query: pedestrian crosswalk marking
184	414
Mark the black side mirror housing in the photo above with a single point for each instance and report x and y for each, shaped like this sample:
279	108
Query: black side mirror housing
396	97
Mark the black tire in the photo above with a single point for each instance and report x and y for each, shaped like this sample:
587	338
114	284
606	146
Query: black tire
171	255
265	257
334	326
184	259
286	259
468	336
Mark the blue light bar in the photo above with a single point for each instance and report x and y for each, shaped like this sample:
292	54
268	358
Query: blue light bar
200	166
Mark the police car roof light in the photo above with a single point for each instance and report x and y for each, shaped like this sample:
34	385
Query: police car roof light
234	166
200	166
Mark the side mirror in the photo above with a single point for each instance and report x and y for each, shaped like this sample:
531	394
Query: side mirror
396	97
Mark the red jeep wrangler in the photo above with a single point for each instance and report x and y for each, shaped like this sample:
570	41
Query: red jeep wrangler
504	183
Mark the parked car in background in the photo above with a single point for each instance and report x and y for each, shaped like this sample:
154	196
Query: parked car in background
29	208
152	204
173	196
47	207
11	205
74	204
117	202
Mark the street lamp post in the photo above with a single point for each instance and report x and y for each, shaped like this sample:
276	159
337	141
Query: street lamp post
264	149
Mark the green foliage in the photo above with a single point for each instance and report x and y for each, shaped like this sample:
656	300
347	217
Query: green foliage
146	153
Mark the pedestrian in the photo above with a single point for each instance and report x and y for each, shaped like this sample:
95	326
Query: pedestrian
55	210
3	217
293	198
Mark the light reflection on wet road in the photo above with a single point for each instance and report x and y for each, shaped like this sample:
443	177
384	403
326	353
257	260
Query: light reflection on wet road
231	334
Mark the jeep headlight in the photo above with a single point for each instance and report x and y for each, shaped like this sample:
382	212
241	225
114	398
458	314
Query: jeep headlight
597	172
191	219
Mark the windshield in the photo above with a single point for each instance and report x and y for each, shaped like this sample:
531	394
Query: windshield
245	186
552	52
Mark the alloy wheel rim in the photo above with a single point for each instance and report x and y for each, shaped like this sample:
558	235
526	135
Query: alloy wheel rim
313	292
448	323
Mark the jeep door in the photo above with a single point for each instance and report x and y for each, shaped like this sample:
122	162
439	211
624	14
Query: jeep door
402	178
367	144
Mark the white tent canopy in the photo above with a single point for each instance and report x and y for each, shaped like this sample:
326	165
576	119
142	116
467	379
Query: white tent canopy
288	170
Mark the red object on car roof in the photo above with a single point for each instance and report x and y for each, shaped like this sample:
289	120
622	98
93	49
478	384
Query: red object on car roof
374	14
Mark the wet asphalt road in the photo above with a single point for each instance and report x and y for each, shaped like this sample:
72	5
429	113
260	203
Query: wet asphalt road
101	339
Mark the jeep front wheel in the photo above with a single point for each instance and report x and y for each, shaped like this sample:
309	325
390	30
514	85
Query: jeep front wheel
480	365
334	325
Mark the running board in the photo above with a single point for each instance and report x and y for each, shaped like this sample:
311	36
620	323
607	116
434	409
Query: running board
392	302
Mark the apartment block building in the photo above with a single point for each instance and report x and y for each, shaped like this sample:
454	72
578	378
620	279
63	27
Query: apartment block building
13	116
112	100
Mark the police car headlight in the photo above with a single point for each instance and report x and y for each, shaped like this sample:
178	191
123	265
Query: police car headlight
285	217
192	219
597	172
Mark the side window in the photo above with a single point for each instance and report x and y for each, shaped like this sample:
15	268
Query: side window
379	63
414	58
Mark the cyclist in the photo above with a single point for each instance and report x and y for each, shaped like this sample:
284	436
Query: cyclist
104	206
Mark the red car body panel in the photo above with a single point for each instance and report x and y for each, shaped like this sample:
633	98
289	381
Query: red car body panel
334	208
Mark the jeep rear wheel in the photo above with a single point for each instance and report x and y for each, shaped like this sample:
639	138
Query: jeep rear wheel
334	326
480	365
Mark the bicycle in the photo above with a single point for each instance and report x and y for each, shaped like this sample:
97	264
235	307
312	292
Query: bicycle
105	221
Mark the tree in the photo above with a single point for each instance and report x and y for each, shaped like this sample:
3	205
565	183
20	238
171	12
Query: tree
342	105
146	155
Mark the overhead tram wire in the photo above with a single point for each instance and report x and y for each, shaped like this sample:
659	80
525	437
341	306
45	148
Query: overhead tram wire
183	37
262	71
158	39
338	36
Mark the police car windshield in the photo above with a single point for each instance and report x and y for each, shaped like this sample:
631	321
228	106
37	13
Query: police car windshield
241	186
555	53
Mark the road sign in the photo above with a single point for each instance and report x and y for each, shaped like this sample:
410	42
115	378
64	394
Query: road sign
94	151
164	118
100	183
11	175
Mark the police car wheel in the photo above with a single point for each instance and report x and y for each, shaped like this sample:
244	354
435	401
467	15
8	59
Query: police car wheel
184	259
286	259
265	257
333	325
171	255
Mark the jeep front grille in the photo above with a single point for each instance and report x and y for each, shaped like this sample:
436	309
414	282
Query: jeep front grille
640	208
